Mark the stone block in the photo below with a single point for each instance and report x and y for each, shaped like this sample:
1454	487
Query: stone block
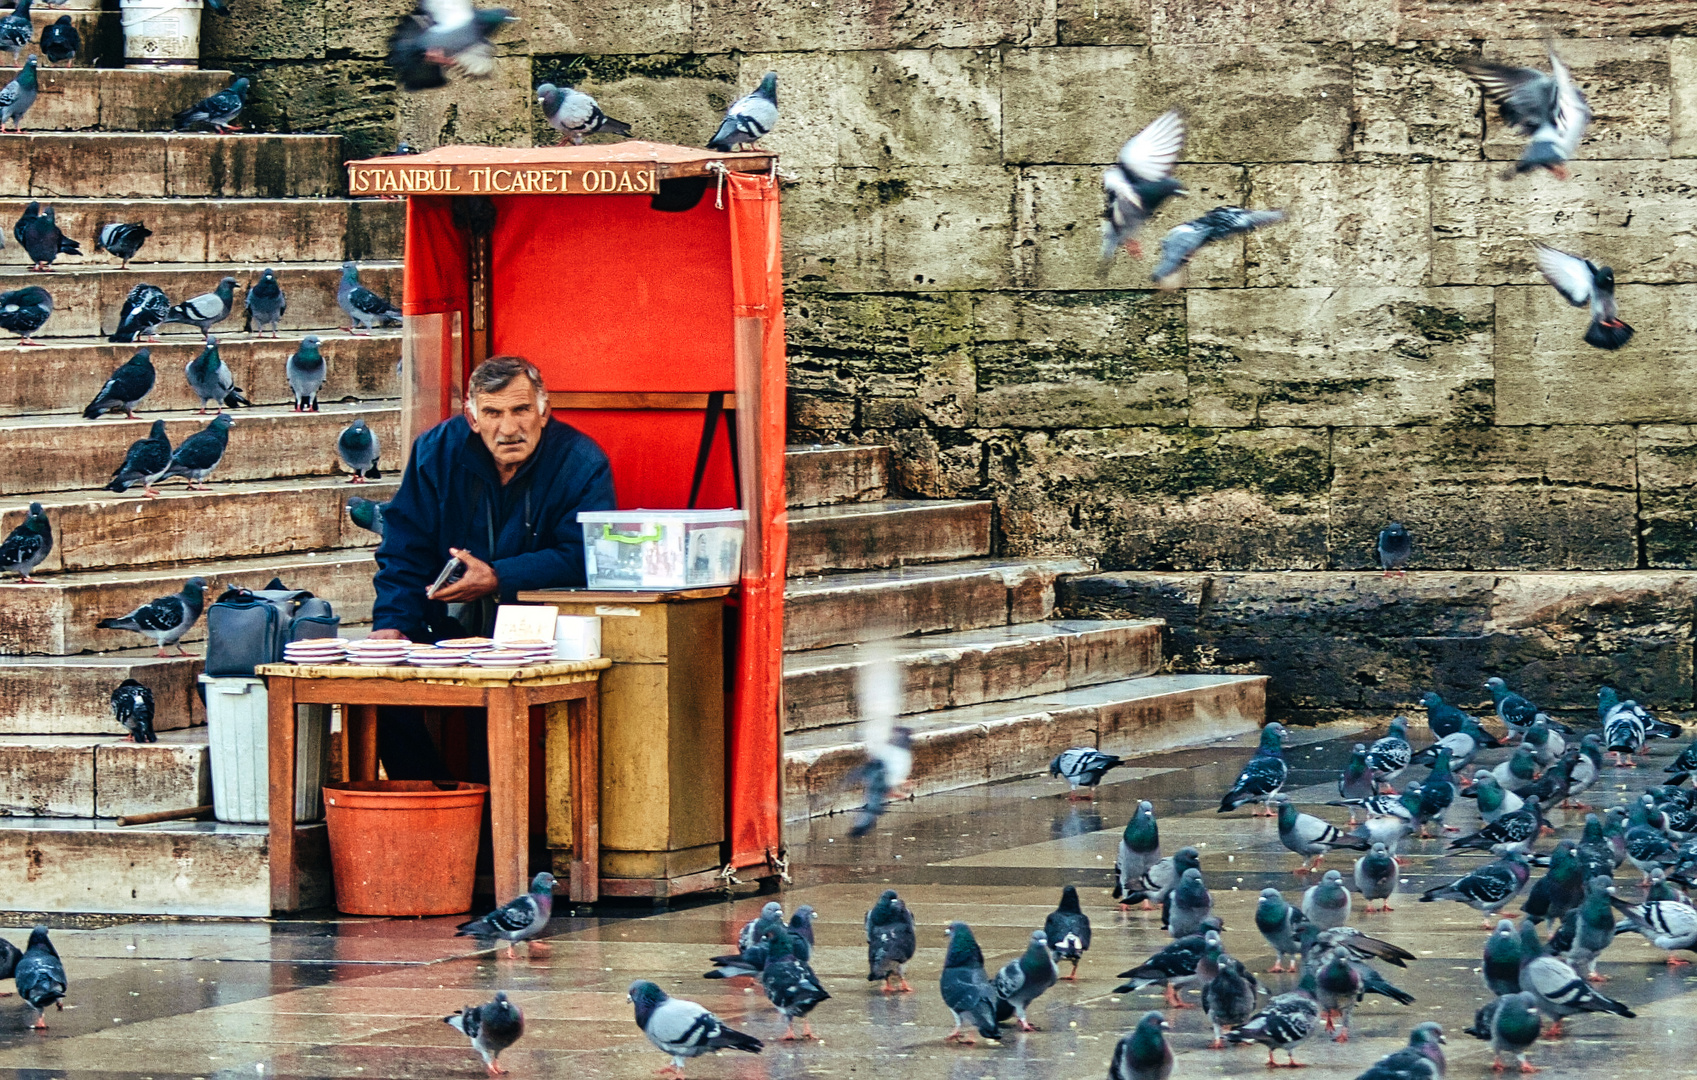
1075	105
1439	20
888	533
914	107
112	166
668	98
1102	22
497	111
55	780
833	475
266	30
364	28
1535	498
1376	227
1682	96
1274	102
1547	374
1667	493
885	352
1339	357
603	30
1211	21
1626	82
938	463
150	777
355	98
253	166
787	25
1413	103
73	695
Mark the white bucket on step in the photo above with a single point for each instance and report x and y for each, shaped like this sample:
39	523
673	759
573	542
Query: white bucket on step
161	33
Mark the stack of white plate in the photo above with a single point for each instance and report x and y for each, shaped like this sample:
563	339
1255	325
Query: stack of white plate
431	656
378	653
316	651
505	658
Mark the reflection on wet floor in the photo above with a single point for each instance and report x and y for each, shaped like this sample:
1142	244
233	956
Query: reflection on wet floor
365	997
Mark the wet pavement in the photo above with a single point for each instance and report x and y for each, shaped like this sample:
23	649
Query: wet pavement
365	997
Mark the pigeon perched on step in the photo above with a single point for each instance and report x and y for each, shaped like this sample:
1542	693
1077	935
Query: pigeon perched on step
749	118
357	447
1067	929
1083	767
219	111
1326	904
575	114
207	309
519	919
1143	1054
1024	979
39	976
364	307
891	941
1487	889
1309	836
966	988
27	545
1559	990
682	1028
143	311
1376	878
200	453
1395	547
306	372
1182	242
1138	182
491	1027
125	389
165	619
1511	1025
1549	109
38	231
1284	1023
145	462
132	705
25	311
210	379
16	30
122	239
60	42
367	514
1585	284
1263	776
266	304
17	96
444	34
1139	851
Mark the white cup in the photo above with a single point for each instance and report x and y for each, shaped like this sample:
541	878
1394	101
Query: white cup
577	637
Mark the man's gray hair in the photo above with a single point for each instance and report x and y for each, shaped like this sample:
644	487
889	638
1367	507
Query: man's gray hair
497	373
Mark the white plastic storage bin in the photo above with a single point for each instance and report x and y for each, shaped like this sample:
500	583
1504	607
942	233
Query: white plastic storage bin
662	549
238	728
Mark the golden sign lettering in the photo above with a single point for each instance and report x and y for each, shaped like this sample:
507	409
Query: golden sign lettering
366	179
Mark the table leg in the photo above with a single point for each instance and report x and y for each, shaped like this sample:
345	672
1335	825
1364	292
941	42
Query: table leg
362	742
509	789
584	725
285	883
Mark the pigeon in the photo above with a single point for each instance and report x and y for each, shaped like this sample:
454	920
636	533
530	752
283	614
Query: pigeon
1067	930
682	1028
1229	996
801	927
1023	980
1516	713
1337	987
1264	775
1278	923
1082	767
519	919
210	380
132	704
752	941
306	373
1143	1053
966	989
27	545
1550	110
575	114
1421	1059
891	941
364	307
1311	837
38	231
1561	889
1594	849
165	619
749	118
1463	746
1173	968
1588	930
124	390
491	1027
218	112
1492	800
1396	547
16	30
443	34
1139	851
1182	242
367	514
1355	780
1624	733
1189	905
1284	1023
1518	772
1518	831
1583	283
1375	878
358	449
790	984
39	976
889	747
1391	826
1139	181
1389	756
1487	889
145	463
1437	793
1326	903
17	96
1587	769
1158	881
145	309
1442	717
1501	970
9	956
122	240
1608	699
1559	990
1511	1025
1684	765
266	304
1316	942
1666	924
207	309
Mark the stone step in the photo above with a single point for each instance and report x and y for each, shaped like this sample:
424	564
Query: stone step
98	530
87	298
1005	740
136	165
63	377
263	232
57	453
941	671
828	475
891	532
58	618
72	695
84	776
843	609
111	99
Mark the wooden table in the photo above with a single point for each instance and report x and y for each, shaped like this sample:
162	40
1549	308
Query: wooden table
508	694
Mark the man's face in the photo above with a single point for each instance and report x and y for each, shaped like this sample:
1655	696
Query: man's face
509	421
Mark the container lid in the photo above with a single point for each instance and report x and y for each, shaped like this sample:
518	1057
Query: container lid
688	517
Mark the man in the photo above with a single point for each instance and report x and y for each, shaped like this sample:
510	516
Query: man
500	489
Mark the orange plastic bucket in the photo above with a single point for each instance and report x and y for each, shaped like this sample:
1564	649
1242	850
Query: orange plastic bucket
403	847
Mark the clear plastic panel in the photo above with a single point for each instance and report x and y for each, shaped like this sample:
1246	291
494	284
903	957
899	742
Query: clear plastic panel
430	386
750	343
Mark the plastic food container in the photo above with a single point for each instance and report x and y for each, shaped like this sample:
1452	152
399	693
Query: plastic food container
662	549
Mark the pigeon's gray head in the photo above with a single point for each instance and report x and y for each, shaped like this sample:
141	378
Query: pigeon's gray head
1380	849
1270	894
31	62
1145	807
1193	874
359	425
1494	683
543	882
645	996
768	87
222	421
771	910
350	271
268	275
240	86
1427	1033
211	342
1039	938
803	915
1333	878
1605	278
549	97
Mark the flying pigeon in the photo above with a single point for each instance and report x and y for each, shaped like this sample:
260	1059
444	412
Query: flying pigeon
145	462
1583	283
207	309
38	232
60	42
1264	775
364	307
1389	756
1326	903
1139	851
1139	181
517	920
122	240
1023	980
966	988
1082	767
790	984
218	111
1511	1025
1421	1059
891	941
1559	990
1228	998
366	514
144	310
27	545
1376	878
1067	929
210	379
491	1027
358	449
1189	905
25	311
444	34
132	704
682	1028
165	619
1550	110
1487	889
266	304
39	976
306	371
1309	836
1395	546
200	453
575	114
1173	968
1182	242
749	118
1143	1054
124	390
1283	1023
17	96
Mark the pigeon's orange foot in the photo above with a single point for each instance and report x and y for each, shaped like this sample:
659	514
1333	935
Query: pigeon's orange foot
1674	961
1596	977
1217	1044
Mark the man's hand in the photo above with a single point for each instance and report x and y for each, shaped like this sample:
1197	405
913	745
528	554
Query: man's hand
386	635
479	580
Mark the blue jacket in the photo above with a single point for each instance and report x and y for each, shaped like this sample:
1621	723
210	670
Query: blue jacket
452	496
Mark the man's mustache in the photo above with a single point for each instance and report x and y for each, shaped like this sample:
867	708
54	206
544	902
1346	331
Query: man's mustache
510	440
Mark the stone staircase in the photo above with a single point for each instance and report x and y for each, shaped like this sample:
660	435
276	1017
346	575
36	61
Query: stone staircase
993	684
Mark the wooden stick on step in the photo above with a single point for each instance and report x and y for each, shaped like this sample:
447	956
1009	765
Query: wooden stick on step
165	815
